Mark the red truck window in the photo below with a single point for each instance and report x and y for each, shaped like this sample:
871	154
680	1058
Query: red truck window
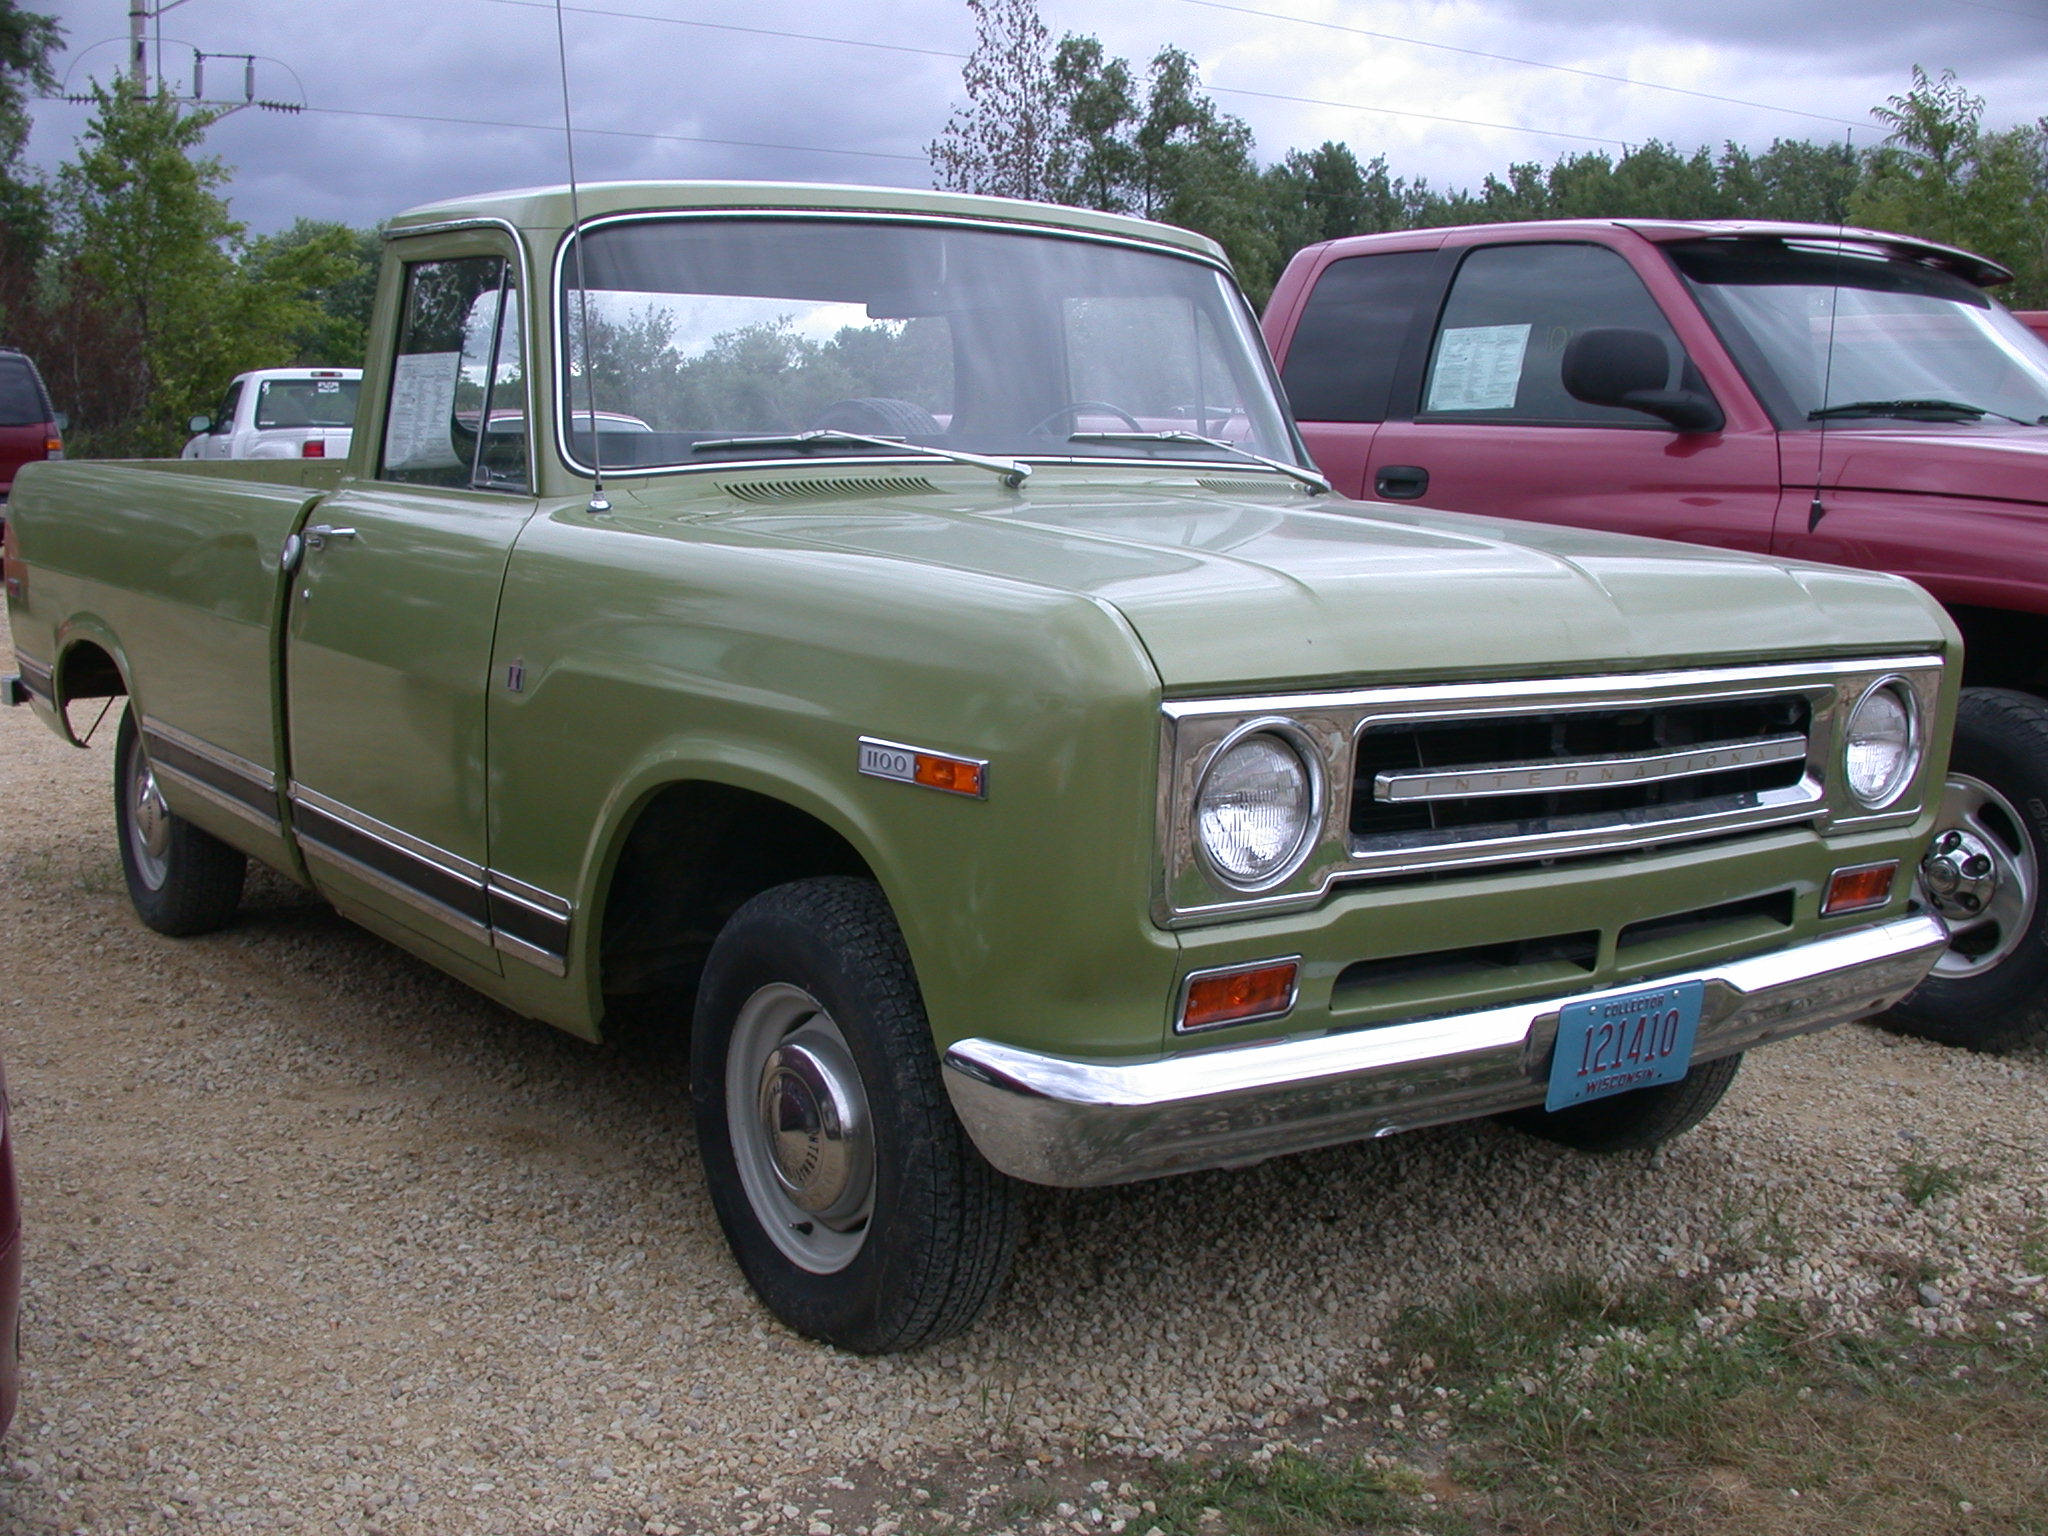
1500	343
1340	365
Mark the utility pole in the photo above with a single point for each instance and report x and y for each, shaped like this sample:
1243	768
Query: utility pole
138	45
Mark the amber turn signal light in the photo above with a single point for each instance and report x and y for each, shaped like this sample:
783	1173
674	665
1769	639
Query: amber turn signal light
1857	889
955	775
1236	996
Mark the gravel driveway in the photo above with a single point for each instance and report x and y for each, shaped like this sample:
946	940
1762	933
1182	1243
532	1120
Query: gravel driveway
319	1239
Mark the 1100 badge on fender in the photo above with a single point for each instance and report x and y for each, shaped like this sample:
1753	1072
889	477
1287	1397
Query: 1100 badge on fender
1610	1045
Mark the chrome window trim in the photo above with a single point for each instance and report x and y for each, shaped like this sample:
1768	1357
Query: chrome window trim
526	338
1262	354
1333	722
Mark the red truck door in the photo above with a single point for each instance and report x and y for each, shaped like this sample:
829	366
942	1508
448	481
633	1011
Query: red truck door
1479	419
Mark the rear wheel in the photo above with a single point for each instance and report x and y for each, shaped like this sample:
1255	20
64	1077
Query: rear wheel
181	880
1642	1117
855	1204
1982	873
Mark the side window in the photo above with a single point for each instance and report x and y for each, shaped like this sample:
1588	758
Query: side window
456	415
1340	365
224	415
1499	347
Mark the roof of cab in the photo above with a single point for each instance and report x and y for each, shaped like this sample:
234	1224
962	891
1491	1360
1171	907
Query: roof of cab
546	209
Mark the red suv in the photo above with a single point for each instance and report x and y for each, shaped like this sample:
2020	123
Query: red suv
29	428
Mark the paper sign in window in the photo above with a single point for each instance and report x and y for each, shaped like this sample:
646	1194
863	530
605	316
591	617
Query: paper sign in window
1478	368
422	407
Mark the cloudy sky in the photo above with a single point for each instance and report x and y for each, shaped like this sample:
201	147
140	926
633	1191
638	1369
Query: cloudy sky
408	101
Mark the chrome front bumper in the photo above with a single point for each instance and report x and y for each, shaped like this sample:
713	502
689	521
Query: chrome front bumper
1056	1120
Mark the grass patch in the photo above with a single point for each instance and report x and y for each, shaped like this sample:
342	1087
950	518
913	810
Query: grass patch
1588	1411
1290	1494
1924	1182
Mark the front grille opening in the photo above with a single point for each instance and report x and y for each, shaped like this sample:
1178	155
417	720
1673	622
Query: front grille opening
1705	930
1518	963
1450	745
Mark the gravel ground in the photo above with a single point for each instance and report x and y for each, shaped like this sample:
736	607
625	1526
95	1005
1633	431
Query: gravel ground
317	1238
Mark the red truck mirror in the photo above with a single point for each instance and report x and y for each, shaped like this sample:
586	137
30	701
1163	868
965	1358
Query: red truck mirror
1619	366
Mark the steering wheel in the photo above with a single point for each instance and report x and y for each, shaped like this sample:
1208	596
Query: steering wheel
1074	408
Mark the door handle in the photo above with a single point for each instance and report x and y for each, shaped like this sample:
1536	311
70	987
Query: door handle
318	535
1401	482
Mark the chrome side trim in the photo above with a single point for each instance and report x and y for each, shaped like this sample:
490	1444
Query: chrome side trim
37	679
383	832
1543	776
468	927
216	775
482	905
1064	1121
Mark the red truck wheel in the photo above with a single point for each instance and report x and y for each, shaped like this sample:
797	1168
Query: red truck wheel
855	1204
1982	873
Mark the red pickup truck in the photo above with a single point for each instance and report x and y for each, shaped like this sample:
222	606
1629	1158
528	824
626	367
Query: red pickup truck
1826	394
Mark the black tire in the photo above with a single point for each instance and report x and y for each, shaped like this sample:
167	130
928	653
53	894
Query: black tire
181	880
879	416
1989	989
1642	1117
906	1233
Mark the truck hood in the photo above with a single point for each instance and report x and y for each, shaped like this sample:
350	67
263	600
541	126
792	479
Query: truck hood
1252	592
1989	461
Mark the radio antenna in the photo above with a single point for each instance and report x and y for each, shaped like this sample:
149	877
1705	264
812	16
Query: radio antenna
1816	509
599	505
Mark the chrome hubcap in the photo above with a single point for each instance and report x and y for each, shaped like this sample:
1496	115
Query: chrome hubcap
149	821
1980	875
800	1128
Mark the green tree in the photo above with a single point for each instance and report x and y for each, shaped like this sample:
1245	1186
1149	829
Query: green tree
1939	175
27	39
149	249
334	334
1009	140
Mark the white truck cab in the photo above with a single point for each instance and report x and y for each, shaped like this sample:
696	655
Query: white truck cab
281	413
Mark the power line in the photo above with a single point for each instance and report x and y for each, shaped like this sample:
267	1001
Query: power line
1508	58
726	26
1430	117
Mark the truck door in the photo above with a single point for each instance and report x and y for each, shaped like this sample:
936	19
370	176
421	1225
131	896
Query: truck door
1490	428
394	605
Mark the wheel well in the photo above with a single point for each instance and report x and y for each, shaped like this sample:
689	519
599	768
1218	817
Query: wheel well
2003	648
697	851
87	672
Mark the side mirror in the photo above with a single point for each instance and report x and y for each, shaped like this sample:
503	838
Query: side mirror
1618	366
199	424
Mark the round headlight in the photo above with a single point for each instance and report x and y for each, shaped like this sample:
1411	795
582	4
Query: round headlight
1254	809
1882	745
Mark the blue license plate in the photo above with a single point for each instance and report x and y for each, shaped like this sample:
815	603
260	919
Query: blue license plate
1614	1044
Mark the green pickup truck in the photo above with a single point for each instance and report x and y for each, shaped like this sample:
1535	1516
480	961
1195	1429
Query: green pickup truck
903	634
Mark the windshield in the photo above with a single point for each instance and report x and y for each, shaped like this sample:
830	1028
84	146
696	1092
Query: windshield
991	342
1822	330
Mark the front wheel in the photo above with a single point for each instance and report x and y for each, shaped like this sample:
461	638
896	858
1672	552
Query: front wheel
1633	1121
181	880
854	1202
1982	873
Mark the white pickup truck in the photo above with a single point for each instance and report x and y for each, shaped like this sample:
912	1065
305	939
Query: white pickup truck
281	413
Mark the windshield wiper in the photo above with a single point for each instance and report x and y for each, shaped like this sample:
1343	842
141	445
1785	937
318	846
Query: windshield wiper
1910	408
1307	477
1013	473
